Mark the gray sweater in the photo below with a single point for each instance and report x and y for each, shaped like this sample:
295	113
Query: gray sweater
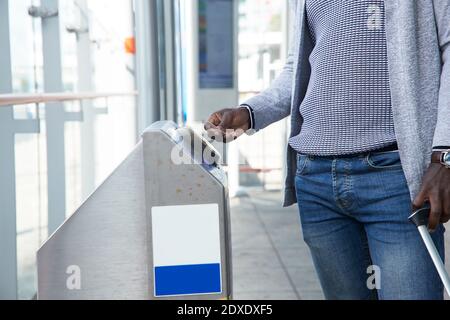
347	108
418	46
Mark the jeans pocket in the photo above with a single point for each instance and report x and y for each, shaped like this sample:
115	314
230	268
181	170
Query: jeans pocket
302	161
385	161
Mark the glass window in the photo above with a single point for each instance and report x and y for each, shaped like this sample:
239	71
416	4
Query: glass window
26	64
262	51
261	40
113	120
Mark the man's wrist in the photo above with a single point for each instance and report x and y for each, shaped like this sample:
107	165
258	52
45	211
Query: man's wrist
441	156
251	115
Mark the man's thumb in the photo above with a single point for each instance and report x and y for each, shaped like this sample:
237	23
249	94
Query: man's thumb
420	199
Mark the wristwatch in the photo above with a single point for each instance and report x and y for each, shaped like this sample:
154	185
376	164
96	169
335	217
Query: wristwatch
442	157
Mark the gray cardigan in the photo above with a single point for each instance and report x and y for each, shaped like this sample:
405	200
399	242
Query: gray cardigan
418	35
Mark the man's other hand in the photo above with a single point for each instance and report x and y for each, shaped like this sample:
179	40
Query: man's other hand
436	190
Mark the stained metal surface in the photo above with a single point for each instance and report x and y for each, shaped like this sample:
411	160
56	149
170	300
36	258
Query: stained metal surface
109	237
105	238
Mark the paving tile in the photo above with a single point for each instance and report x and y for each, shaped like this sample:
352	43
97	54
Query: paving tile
257	240
286	238
312	295
264	203
245	219
279	223
256	258
295	257
267	237
260	280
305	280
247	226
264	236
267	295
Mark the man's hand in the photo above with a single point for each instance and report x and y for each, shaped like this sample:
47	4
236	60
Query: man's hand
228	124
436	190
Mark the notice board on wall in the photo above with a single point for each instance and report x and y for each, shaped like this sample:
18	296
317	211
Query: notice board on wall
216	44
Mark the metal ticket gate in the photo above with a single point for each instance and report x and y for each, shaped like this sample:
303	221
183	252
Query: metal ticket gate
157	228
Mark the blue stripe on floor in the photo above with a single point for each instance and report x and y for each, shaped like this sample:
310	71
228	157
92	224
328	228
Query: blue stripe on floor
187	280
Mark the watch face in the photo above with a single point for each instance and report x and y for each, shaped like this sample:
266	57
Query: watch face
447	158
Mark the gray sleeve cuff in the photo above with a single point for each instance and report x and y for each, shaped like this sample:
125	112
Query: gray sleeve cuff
251	114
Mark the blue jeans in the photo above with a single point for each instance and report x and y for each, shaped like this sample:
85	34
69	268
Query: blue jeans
354	213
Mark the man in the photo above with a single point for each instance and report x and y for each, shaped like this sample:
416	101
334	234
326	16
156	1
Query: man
367	85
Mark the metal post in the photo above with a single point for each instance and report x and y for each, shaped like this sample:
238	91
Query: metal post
85	84
8	128
178	51
55	118
171	110
147	62
8	261
8	248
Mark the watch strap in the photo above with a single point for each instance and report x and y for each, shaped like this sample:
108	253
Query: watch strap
437	157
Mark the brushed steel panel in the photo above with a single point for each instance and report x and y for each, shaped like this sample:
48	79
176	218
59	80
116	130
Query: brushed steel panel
106	238
188	184
109	237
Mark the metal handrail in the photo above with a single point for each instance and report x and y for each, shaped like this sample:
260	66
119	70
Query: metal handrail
7	100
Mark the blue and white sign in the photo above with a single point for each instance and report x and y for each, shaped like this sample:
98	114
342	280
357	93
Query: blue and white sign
186	250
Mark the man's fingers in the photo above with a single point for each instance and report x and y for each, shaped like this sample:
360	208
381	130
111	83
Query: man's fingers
446	211
212	131
436	213
436	190
223	126
420	200
213	121
209	126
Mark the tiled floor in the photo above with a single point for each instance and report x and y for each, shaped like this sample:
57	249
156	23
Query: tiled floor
270	259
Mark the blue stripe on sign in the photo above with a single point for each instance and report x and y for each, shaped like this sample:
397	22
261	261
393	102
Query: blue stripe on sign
187	280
